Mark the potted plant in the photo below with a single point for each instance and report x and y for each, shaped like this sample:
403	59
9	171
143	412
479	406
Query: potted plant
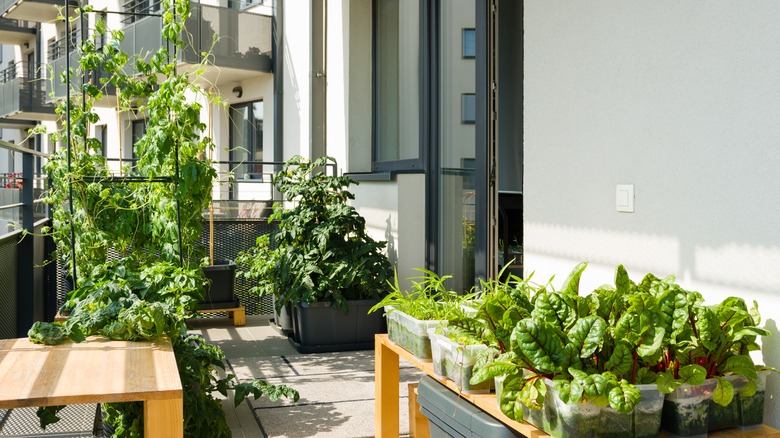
410	314
130	239
321	260
567	370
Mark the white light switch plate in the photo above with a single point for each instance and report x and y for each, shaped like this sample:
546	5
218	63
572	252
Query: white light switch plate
624	198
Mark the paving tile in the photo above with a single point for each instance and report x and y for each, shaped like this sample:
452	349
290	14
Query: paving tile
338	420
334	388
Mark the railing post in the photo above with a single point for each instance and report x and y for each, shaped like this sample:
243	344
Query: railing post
25	289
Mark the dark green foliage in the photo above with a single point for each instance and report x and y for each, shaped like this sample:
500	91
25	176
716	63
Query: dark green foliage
155	285
321	251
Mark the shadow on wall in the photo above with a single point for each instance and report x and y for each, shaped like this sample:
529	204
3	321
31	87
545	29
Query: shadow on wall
392	253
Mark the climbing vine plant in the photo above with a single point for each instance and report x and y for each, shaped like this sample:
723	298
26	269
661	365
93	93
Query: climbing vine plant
129	239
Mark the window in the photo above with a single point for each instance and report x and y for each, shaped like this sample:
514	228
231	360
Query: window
469	43
468	108
100	135
246	139
139	129
396	119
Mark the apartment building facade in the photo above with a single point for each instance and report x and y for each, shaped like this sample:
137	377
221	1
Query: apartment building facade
483	131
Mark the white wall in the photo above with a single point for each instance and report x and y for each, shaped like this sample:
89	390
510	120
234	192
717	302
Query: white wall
395	212
680	99
297	75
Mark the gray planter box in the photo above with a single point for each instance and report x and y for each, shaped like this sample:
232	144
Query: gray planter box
320	328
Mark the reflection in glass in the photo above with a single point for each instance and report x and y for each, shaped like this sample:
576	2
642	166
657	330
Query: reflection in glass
457	224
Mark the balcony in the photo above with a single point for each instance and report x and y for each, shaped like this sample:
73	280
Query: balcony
15	32
38	11
243	48
58	63
23	92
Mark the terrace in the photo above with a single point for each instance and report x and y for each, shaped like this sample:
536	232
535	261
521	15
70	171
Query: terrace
33	290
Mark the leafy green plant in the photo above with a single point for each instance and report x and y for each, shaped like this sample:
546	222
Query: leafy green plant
427	299
148	217
321	251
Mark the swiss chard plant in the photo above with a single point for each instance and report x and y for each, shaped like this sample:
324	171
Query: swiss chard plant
130	239
321	251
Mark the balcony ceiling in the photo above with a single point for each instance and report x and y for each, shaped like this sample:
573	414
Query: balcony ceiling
12	33
24	116
6	123
39	11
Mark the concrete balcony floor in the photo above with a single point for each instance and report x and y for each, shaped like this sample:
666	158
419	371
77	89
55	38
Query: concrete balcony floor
336	389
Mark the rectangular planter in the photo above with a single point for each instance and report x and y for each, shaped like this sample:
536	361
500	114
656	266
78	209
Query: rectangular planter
218	290
456	362
319	328
588	420
410	333
686	410
743	412
643	422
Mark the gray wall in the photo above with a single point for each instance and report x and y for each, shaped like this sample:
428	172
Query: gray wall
681	99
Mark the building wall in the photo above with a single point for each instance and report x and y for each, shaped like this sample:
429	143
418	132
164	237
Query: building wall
297	76
680	99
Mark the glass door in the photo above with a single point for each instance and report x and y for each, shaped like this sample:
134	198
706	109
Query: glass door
457	144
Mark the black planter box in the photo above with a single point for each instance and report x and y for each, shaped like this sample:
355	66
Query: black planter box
219	289
320	328
282	321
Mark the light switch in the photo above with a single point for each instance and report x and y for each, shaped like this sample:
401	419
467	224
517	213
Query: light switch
624	198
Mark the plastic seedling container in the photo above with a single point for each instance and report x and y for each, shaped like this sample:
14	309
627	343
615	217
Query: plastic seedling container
456	362
751	409
686	410
410	333
643	422
723	417
561	420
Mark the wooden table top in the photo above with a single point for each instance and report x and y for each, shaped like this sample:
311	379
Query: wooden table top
99	370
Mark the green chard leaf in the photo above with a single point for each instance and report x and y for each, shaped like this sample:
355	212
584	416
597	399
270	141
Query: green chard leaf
624	397
724	391
571	286
541	343
587	335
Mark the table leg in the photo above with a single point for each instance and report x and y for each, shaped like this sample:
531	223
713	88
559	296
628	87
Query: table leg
386	382
164	418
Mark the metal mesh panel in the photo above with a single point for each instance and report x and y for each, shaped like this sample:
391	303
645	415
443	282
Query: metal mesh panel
75	420
8	270
232	237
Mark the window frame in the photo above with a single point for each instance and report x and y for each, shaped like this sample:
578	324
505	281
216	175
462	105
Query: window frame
473	32
407	165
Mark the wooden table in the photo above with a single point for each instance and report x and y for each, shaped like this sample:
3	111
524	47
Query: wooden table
386	381
99	370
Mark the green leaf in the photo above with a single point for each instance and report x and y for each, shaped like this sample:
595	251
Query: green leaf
724	391
741	365
622	282
540	343
622	361
587	335
624	397
692	374
571	286
667	383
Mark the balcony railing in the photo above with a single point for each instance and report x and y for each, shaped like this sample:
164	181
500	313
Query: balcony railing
243	38
22	247
15	32
23	90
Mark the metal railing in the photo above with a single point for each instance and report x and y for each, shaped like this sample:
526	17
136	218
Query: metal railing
22	249
22	70
57	48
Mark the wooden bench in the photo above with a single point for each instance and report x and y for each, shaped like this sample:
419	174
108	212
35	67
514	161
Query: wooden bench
97	371
237	314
